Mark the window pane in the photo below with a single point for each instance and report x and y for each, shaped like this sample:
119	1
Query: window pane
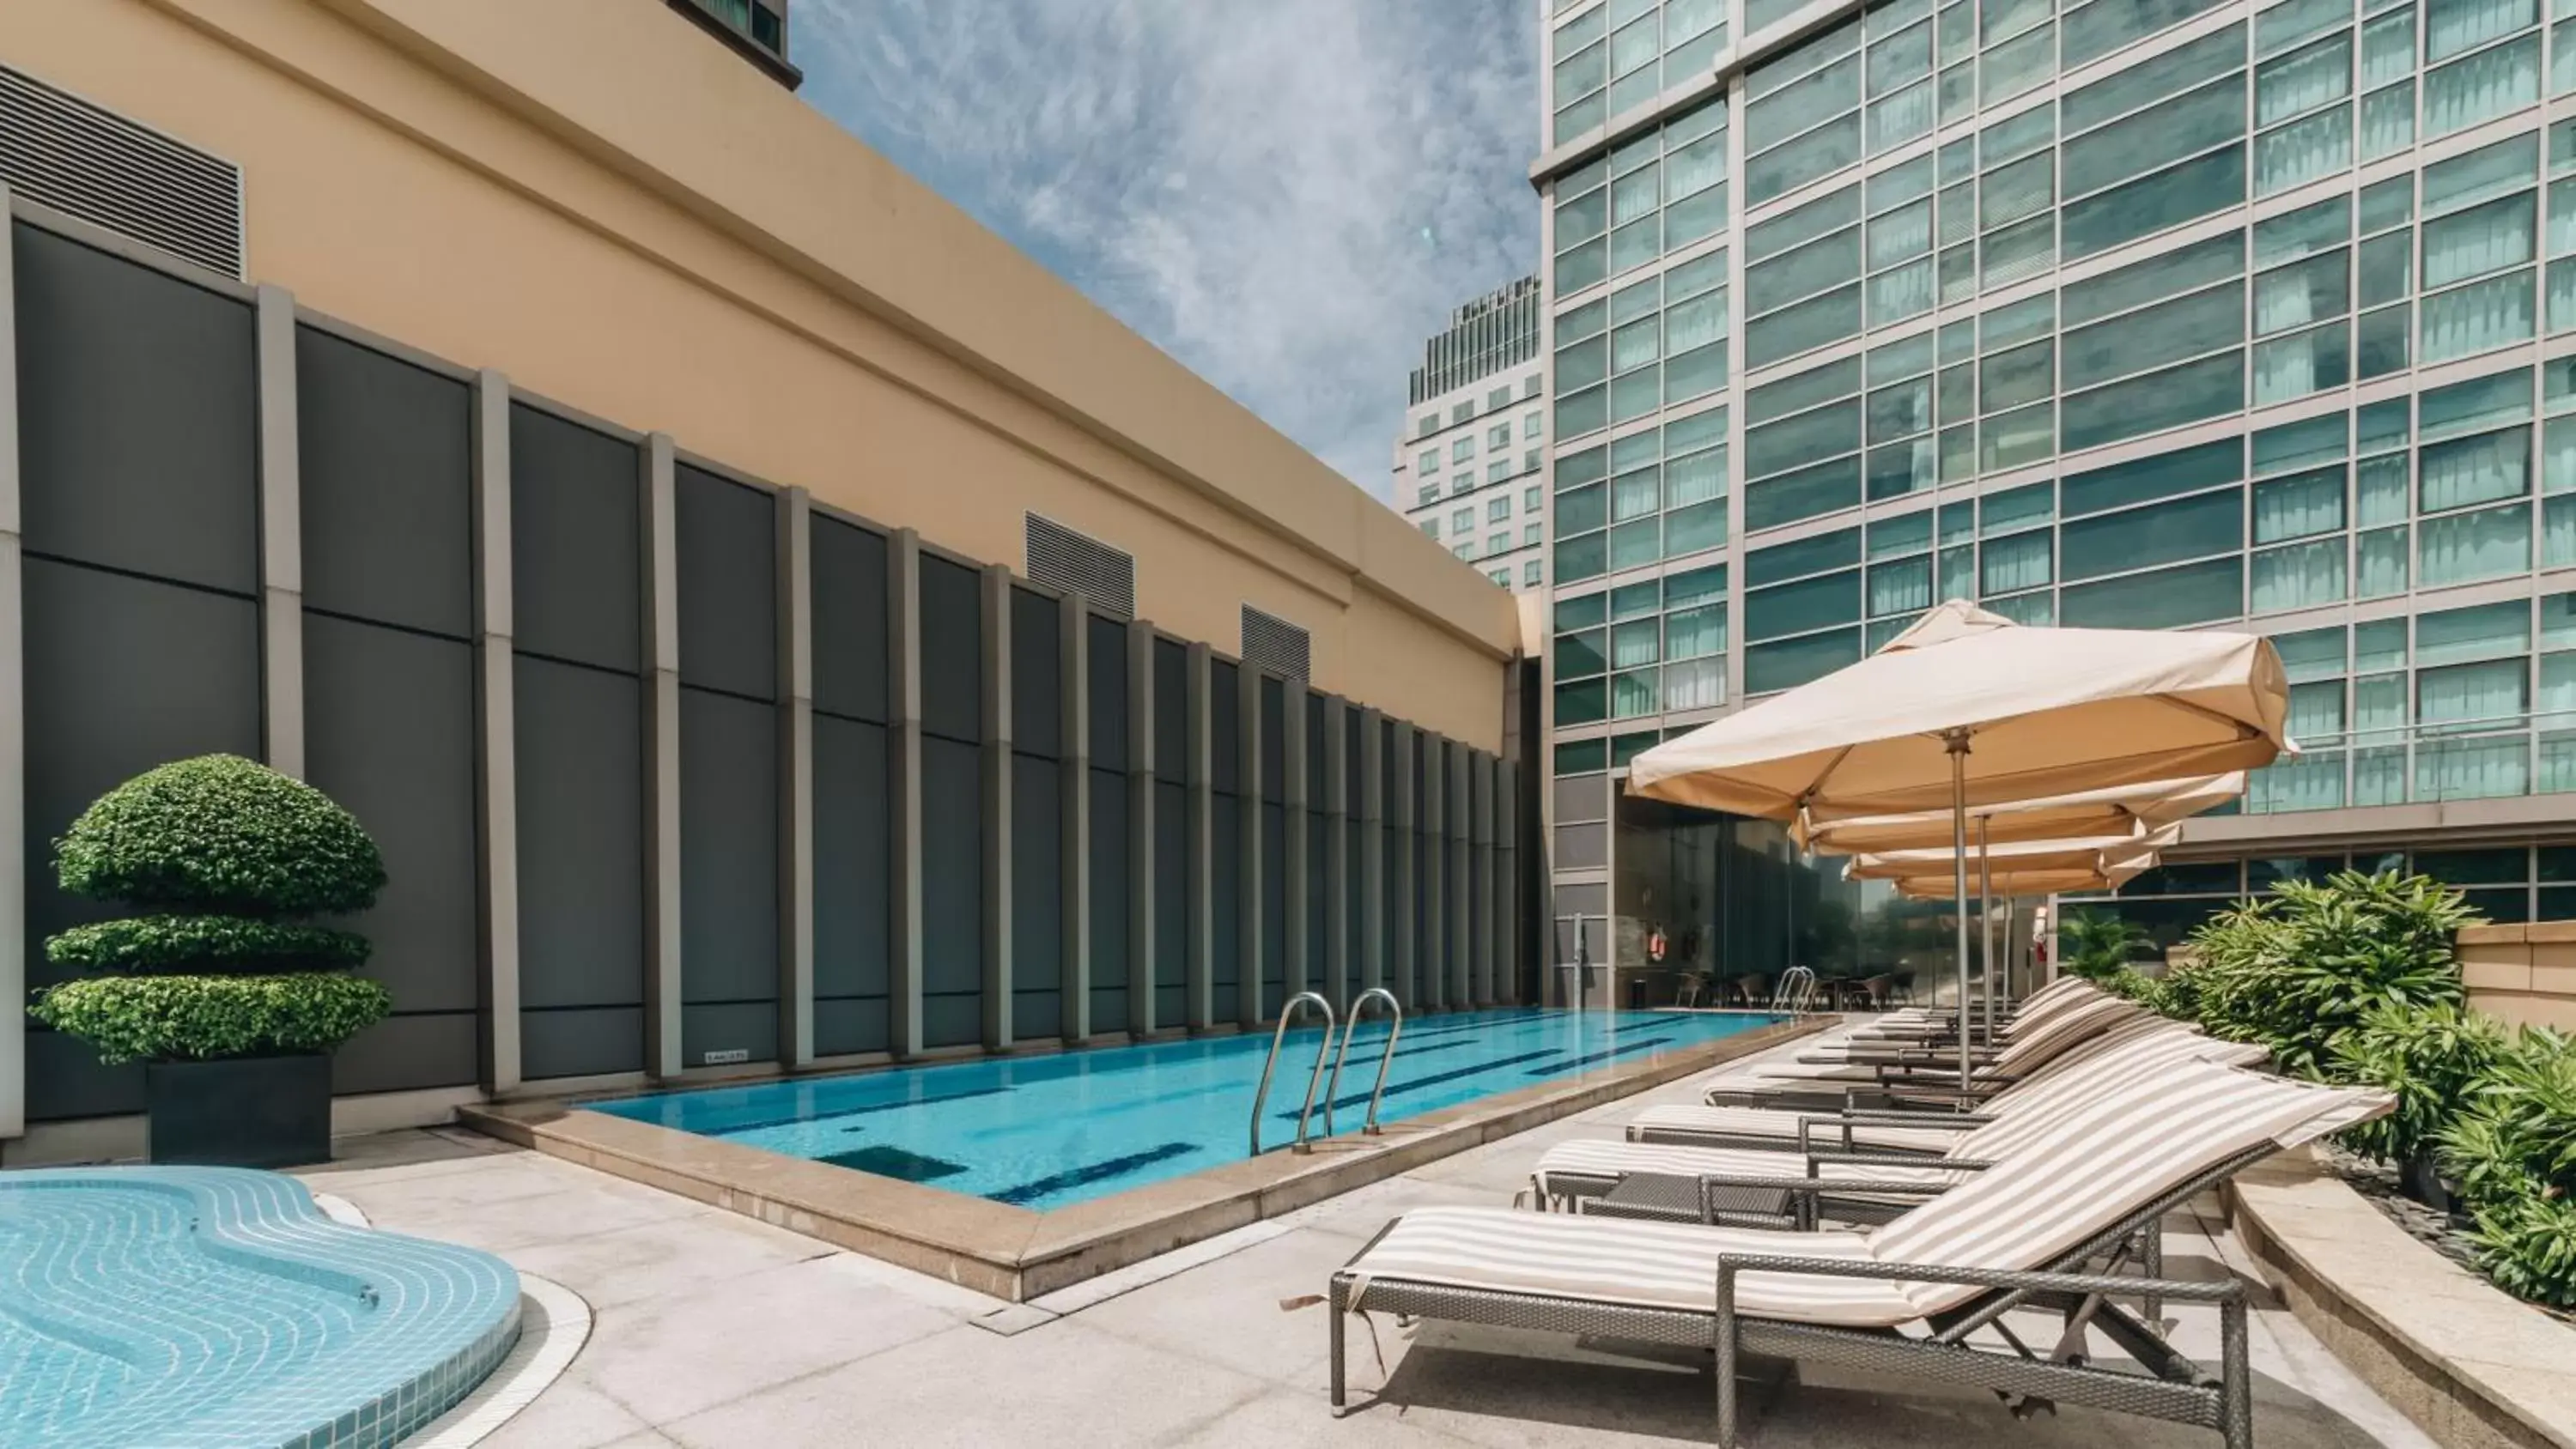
2195	594
2159	400
2189	528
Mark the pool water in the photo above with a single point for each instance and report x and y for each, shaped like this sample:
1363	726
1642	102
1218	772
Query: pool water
220	1309
1043	1132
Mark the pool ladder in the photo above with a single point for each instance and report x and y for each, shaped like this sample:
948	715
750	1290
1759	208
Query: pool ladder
1324	1048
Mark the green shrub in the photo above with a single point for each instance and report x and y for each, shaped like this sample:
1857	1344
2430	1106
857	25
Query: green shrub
2299	969
2098	944
219	834
222	856
232	945
2430	1057
2527	1245
196	1018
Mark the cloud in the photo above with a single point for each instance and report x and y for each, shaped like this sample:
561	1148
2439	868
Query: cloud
1286	195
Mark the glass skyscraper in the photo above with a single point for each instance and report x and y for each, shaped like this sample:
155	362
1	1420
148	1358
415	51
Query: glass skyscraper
2134	313
1467	467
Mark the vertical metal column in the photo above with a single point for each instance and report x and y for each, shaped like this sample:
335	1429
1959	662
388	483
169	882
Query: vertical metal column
903	741
1073	841
281	535
795	779
1199	993
998	980
661	605
1370	887
1249	799
1462	857
13	719
1509	928
496	768
1141	830
1297	972
1337	849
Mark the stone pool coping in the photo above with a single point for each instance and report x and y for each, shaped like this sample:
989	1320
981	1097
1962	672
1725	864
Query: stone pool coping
1016	1253
2470	1365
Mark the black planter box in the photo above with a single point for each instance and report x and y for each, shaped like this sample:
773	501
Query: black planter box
244	1112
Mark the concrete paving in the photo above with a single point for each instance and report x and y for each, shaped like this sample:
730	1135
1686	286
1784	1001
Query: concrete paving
715	1331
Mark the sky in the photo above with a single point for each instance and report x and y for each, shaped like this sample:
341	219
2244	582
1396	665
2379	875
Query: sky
1288	196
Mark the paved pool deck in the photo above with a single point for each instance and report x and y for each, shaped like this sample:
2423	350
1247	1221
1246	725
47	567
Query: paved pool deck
712	1331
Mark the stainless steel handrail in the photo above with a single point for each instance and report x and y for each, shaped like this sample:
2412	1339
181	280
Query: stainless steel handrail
1385	1058
1796	993
1287	1014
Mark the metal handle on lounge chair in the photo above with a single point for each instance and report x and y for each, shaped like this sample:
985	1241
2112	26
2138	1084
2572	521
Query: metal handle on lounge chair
1385	1058
1314	1077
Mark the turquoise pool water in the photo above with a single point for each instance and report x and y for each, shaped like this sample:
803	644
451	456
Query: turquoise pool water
1042	1132
216	1308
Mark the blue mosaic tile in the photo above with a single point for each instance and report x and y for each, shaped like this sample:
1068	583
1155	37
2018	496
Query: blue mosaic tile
220	1309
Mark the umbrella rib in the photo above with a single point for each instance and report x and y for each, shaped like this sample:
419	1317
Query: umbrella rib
1816	786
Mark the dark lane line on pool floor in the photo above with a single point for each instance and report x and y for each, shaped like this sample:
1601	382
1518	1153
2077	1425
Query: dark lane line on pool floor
795	1119
1036	1188
1594	1059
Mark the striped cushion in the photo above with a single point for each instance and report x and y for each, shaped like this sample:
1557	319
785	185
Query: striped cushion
2094	1165
1592	1160
1637	1264
1766	1122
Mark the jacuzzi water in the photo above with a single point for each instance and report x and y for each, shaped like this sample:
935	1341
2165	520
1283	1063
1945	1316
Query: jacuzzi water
1043	1132
212	1308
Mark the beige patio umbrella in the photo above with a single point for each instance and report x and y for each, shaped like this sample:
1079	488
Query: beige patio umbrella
1967	708
2106	870
2122	810
2014	858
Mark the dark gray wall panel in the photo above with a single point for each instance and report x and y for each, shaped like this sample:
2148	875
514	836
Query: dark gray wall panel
581	1041
1037	1015
1274	906
389	733
1171	902
386	451
952	893
1316	784
952	651
849	604
1106	658
138	399
1319	934
852	884
1274	740
1225	729
728	553
728	855
185	682
1228	966
581	838
1354	778
725	1026
1110	938
575	522
1171	709
1354	916
849	1024
409	1052
1037	674
1037	881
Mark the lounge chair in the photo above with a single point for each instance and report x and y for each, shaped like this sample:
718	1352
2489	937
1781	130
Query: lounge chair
2020	1234
1928	1148
2030	1050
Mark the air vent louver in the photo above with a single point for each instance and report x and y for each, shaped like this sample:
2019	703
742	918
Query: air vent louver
1274	644
93	164
1078	563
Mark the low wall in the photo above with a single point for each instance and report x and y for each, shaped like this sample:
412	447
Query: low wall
2522	975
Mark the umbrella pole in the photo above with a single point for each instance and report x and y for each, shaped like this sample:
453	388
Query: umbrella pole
1986	924
1957	742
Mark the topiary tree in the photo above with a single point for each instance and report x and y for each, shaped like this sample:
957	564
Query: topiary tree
223	856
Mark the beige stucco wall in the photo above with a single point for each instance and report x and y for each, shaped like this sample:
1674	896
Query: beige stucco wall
2522	975
622	215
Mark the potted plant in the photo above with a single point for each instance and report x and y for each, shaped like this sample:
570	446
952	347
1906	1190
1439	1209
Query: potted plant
220	984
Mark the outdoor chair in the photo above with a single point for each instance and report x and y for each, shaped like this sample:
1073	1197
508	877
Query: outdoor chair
1904	1297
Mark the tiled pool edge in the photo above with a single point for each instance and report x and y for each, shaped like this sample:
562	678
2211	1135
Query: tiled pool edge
1018	1254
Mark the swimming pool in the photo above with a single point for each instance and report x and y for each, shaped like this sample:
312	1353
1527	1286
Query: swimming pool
1045	1132
219	1308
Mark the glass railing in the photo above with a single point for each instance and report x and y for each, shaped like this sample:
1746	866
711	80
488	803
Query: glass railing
2481	759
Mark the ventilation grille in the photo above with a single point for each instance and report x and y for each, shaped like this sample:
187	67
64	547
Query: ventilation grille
93	164
1272	643
1080	564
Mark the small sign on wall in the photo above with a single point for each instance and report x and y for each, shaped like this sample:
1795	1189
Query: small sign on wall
728	1056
